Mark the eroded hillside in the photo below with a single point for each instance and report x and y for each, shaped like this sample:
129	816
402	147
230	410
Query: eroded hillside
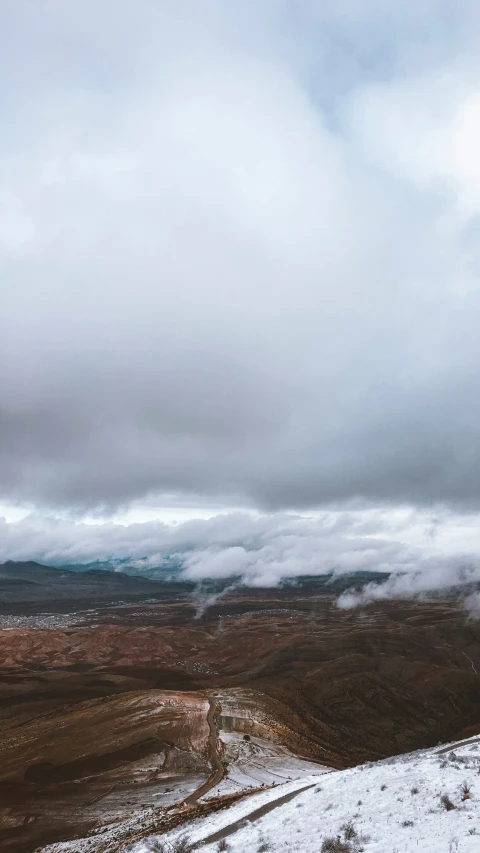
108	714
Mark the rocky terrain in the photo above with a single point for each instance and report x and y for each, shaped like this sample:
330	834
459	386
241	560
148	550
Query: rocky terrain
126	705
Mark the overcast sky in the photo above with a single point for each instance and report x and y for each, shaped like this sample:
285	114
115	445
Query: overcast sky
239	254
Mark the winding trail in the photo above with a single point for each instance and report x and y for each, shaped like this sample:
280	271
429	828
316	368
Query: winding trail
218	769
190	803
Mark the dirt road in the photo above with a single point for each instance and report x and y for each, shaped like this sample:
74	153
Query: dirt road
254	815
453	747
218	769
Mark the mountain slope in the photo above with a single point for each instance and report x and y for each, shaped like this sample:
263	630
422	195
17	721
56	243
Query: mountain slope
33	583
428	800
393	805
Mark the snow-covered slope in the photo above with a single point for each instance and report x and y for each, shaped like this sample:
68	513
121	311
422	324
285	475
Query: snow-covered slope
426	801
259	762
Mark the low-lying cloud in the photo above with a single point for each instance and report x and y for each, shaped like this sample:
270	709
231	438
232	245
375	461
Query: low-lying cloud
432	575
422	552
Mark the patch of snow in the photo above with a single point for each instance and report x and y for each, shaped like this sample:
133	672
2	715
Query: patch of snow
257	762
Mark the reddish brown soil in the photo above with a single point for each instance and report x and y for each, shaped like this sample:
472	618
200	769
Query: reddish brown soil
84	709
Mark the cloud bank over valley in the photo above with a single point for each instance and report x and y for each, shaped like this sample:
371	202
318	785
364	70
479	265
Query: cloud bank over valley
422	552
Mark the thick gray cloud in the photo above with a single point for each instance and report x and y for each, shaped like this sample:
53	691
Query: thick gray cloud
239	252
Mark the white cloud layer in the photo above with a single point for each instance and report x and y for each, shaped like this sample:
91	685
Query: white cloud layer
423	551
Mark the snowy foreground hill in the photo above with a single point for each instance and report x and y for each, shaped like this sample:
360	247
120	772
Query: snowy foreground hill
425	801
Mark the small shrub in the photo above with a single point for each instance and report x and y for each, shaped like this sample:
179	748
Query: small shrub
349	831
414	791
359	803
263	846
383	787
222	845
407	823
336	845
446	803
182	845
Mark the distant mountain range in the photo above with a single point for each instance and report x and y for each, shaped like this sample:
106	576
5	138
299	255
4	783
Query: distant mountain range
32	582
35	584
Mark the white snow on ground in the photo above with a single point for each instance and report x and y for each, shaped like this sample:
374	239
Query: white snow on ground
257	762
395	806
251	764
